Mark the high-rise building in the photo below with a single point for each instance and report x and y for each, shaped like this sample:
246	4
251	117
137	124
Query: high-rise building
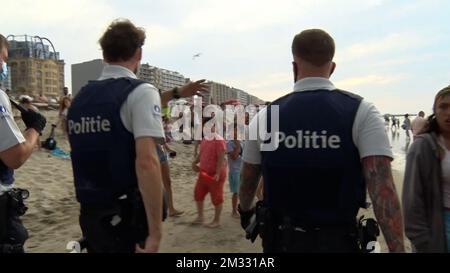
254	100
35	66
219	93
82	73
242	96
162	79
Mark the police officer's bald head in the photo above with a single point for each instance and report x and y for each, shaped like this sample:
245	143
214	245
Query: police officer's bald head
314	46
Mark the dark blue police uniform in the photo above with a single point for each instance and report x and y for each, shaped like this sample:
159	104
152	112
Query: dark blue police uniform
313	182
112	215
13	234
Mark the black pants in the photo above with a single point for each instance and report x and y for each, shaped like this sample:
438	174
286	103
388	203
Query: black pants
3	216
329	240
13	233
113	229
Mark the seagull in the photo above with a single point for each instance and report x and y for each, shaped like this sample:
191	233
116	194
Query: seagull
196	56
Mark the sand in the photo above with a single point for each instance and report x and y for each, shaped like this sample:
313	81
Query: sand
52	218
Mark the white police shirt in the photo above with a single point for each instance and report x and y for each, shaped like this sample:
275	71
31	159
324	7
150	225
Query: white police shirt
369	133
141	112
10	134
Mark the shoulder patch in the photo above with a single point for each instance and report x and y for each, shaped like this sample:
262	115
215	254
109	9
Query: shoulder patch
156	110
4	112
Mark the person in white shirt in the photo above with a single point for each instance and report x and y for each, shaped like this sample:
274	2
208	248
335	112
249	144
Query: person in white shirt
15	149
321	136
114	127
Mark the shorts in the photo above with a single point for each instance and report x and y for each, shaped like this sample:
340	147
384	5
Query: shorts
234	180
215	189
162	155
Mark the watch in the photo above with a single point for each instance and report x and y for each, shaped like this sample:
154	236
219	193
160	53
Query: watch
175	93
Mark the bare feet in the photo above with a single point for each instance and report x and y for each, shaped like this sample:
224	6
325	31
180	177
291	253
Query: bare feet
198	221
213	224
175	213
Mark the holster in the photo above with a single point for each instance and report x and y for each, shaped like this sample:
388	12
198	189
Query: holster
259	224
368	231
282	234
13	234
116	227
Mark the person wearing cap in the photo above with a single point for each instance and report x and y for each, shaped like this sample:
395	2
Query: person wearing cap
323	148
15	149
426	188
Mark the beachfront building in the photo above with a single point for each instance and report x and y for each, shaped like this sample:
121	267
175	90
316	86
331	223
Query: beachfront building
162	79
254	100
219	93
242	97
35	66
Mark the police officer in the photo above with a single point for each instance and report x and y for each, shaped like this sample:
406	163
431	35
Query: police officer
330	145
15	149
114	126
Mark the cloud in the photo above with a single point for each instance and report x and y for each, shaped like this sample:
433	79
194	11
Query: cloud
74	26
273	85
412	8
271	80
368	80
391	45
236	15
241	16
159	37
246	44
70	13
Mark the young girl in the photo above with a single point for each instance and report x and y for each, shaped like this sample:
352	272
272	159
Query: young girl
213	173
234	150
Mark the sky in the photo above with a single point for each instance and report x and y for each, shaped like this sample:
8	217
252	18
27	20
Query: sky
394	53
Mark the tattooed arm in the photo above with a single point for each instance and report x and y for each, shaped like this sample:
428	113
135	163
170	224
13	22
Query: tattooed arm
250	175
380	183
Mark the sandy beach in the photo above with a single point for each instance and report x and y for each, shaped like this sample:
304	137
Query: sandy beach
52	218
